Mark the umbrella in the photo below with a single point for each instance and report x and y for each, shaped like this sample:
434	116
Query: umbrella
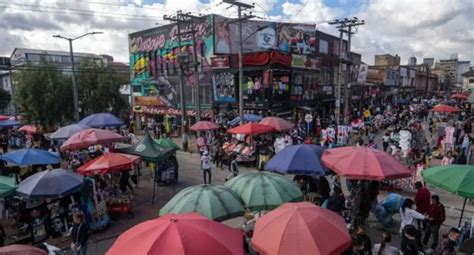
444	108
247	117
362	163
7	185
30	129
27	157
101	120
168	143
458	179
459	96
109	162
250	129
217	203
190	234
204	126
55	183
20	249
300	228
264	191
3	117
9	123
277	123
402	101
67	131
298	159
90	137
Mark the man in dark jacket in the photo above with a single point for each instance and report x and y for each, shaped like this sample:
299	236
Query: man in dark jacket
436	216
336	202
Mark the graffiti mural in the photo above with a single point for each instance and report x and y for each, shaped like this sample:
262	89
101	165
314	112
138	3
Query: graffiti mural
154	63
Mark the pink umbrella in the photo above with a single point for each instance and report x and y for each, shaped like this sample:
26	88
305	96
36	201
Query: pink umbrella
204	126
90	137
3	117
362	163
278	123
20	249
251	129
30	129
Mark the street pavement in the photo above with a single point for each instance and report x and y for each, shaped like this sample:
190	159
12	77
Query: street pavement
190	174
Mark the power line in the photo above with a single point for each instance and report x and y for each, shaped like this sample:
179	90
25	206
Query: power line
300	10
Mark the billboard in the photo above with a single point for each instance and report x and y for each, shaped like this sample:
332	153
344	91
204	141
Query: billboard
362	77
154	62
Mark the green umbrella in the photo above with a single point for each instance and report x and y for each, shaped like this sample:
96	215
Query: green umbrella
264	190
168	143
7	185
214	202
458	179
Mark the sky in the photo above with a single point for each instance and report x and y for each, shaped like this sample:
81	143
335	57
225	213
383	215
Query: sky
421	28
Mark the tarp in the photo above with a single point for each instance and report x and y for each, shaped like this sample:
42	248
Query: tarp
148	150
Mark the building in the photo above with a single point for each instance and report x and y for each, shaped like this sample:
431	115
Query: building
463	67
468	80
387	60
286	66
412	61
429	61
22	56
450	72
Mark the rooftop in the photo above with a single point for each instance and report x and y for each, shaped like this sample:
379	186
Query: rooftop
468	73
55	52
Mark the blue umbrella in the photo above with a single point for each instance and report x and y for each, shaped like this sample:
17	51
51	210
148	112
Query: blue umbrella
298	159
67	131
9	123
55	183
247	117
101	120
27	157
402	101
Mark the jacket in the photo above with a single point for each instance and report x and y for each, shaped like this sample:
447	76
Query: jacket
437	213
446	246
422	200
80	233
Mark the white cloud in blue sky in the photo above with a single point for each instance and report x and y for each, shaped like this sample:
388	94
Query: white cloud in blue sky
423	28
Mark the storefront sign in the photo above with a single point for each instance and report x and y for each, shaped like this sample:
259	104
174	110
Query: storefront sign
224	87
149	101
221	62
305	62
298	61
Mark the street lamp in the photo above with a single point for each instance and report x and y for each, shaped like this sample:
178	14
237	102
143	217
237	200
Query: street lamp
241	69
74	87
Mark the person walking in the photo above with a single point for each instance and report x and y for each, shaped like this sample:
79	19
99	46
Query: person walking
436	217
233	168
125	181
79	235
385	248
385	141
206	167
422	199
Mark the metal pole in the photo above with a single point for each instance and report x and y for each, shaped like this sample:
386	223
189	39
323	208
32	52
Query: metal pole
74	86
241	71
15	109
339	80
462	212
348	75
184	138
196	73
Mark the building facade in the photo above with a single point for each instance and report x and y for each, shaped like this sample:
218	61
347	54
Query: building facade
468	80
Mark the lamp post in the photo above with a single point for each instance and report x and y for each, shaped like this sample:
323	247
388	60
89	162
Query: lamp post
241	68
74	87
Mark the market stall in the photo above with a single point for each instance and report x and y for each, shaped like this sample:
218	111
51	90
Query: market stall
245	151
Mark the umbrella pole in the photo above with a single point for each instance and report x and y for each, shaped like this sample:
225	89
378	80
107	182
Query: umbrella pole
154	187
462	212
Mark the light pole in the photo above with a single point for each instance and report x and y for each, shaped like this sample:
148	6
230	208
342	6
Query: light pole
74	87
241	68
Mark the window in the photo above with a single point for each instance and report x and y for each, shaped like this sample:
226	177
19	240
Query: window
471	81
323	46
65	59
33	57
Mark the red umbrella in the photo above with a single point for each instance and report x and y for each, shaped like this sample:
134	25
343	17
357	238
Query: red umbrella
278	123
204	126
20	249
250	129
362	163
3	117
300	228
109	162
188	233
30	129
90	137
459	96
444	108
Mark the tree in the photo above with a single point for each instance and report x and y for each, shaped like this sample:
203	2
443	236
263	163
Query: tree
44	94
5	98
99	89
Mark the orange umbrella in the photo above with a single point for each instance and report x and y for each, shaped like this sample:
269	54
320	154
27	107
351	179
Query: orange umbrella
20	249
30	129
251	129
179	234
90	137
300	228
444	108
362	163
109	162
278	123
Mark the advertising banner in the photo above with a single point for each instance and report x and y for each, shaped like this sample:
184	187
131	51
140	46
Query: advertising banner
224	87
220	62
297	38
305	62
363	69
